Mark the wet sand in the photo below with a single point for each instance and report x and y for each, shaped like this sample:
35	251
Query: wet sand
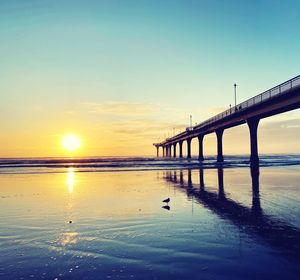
220	224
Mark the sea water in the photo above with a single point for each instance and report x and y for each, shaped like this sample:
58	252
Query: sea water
103	218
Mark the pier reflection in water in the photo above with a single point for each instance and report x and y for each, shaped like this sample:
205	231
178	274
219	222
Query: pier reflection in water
252	220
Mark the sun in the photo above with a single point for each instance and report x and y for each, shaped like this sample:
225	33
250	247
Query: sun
71	142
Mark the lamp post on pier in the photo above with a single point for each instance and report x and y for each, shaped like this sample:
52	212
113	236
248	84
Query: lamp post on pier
234	95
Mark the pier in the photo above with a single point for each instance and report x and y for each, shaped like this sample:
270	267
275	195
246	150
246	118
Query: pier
279	99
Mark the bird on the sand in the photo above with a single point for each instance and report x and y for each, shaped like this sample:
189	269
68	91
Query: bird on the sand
166	200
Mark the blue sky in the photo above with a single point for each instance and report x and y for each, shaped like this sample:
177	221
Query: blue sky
175	57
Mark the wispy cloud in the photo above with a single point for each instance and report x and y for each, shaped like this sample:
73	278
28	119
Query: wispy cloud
120	108
145	127
133	119
282	125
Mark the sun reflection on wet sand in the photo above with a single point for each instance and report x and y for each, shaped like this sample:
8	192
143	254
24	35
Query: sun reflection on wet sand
68	238
70	179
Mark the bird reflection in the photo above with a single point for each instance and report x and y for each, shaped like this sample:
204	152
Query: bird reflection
249	219
70	179
167	207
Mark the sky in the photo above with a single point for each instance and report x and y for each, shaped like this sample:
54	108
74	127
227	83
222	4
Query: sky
124	74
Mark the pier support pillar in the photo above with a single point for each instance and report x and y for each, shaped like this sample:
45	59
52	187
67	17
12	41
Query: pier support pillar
167	151
219	134
164	151
253	125
174	154
157	151
189	154
180	149
200	140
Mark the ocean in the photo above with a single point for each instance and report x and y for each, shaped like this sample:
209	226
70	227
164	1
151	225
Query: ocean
113	164
103	218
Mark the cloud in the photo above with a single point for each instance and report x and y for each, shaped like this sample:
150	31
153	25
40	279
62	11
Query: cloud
120	108
143	127
281	125
133	119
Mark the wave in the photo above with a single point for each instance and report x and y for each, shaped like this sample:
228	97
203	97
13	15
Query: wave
98	164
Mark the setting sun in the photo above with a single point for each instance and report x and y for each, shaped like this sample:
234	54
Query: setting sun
71	142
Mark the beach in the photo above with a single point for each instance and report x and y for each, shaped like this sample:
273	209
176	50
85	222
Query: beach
149	140
81	222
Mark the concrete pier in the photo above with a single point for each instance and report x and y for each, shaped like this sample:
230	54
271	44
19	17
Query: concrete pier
180	149
174	150
279	99
253	125
200	141
189	152
219	133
